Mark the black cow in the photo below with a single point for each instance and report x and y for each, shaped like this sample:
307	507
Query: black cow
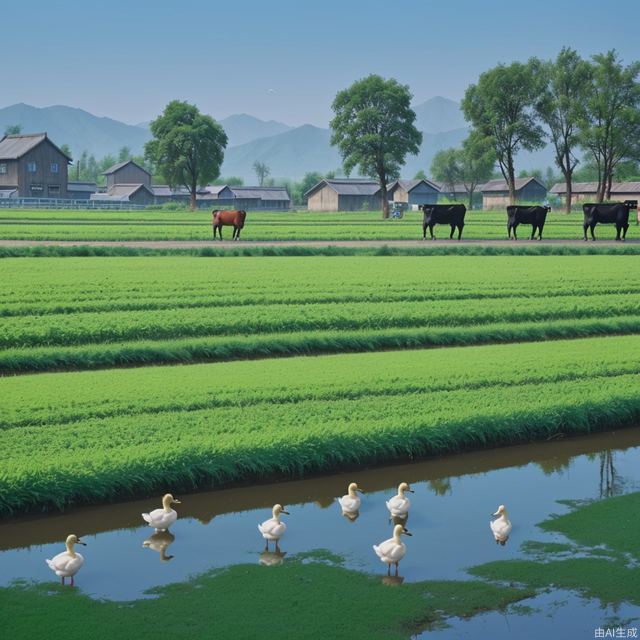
535	216
616	213
451	214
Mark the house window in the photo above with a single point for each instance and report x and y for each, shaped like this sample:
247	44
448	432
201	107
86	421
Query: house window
3	168
54	190
36	189
54	167
32	167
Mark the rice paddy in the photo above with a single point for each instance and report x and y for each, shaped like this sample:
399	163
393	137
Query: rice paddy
18	224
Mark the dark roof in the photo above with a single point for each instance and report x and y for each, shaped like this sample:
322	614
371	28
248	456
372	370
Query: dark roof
126	190
501	184
458	187
15	146
90	187
347	187
262	193
591	188
120	165
214	189
409	185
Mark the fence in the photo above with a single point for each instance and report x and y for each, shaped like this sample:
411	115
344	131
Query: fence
60	203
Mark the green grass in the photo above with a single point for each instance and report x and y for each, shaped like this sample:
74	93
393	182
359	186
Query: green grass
82	437
604	534
160	225
143	310
300	599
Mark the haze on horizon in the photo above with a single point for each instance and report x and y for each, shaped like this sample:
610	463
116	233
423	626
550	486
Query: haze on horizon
283	60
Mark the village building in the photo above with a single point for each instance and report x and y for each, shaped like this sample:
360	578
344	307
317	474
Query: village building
31	166
138	194
344	195
127	172
413	192
246	198
495	193
81	190
587	191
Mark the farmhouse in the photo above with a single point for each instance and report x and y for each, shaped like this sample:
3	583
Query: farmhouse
138	194
344	195
81	190
127	172
586	191
495	193
413	192
33	167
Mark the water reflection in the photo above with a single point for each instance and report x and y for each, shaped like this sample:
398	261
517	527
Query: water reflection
351	516
399	520
392	581
610	482
272	558
159	542
440	486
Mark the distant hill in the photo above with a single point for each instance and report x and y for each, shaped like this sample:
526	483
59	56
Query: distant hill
438	115
79	129
242	128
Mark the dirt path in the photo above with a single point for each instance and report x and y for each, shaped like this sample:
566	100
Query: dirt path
228	244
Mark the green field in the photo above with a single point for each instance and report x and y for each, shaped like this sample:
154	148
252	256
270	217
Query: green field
18	224
79	437
87	313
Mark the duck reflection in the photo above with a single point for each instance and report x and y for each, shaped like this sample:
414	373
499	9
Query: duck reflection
392	581
399	520
351	516
272	558
159	542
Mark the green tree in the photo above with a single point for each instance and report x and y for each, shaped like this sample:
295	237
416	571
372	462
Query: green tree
187	146
262	171
374	129
560	107
501	108
610	125
232	181
124	154
445	168
420	175
66	150
476	161
13	130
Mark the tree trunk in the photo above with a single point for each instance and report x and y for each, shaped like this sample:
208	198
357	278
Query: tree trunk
385	200
193	189
568	181
470	192
511	182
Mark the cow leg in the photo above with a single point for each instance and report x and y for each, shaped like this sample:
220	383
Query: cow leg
618	230
453	228
515	234
431	231
624	232
540	231
238	234
424	231
593	235
584	228
460	231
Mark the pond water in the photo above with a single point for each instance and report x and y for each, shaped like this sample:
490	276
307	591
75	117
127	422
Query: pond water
449	519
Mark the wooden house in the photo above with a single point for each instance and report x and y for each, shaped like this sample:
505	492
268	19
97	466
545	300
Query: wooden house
127	172
413	192
81	190
132	193
586	191
344	195
33	166
495	193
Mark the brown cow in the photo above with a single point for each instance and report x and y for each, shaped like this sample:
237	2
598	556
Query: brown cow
229	217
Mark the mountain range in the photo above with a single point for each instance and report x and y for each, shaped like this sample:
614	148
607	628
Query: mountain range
288	151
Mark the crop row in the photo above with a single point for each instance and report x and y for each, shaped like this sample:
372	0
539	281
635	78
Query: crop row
102	459
60	398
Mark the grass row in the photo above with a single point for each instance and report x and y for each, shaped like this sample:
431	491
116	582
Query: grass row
155	225
103	458
127	311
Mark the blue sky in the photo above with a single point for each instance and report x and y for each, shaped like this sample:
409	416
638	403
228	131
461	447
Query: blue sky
284	59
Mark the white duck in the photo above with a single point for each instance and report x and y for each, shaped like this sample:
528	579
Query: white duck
399	504
163	518
501	526
273	529
391	551
350	503
69	562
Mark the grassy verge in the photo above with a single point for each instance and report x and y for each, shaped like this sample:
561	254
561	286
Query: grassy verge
55	459
604	534
307	599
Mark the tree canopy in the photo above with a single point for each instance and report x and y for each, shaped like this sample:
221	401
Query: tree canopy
374	129
501	109
187	146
